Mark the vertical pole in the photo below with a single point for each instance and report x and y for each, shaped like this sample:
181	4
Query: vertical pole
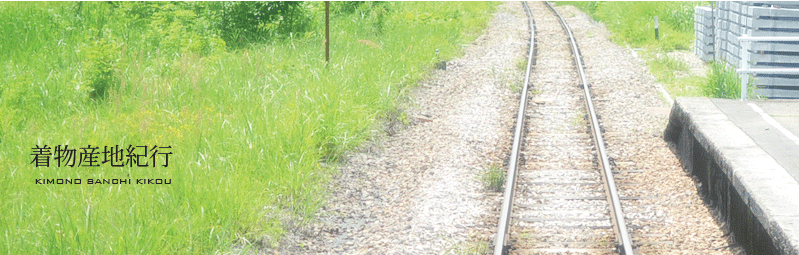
327	31
657	35
744	66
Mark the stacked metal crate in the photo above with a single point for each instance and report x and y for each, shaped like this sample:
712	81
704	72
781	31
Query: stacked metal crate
754	18
704	33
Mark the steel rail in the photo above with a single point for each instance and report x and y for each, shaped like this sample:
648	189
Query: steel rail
624	242
510	181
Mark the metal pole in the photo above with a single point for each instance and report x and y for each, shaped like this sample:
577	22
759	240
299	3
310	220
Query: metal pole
327	31
657	35
744	65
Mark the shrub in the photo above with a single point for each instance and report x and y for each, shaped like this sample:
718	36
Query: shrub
178	27
101	60
244	22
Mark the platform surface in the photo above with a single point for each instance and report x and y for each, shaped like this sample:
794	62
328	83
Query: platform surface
778	139
756	146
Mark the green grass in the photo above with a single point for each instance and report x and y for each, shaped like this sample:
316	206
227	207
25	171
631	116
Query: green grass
472	246
493	177
632	23
249	127
673	74
724	82
579	119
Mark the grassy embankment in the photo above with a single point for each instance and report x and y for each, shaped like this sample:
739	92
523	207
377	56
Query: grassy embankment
632	23
248	123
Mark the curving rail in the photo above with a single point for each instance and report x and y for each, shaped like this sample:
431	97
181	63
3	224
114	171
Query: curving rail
624	242
510	180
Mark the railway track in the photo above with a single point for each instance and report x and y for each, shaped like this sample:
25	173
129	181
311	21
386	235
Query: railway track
560	193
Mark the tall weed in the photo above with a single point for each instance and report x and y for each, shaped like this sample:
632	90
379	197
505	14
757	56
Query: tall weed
254	125
632	24
723	82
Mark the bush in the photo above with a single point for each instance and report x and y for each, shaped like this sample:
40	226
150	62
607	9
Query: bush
244	22
102	59
182	27
179	28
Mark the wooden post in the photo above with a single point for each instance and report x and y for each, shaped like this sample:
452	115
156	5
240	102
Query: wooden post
327	31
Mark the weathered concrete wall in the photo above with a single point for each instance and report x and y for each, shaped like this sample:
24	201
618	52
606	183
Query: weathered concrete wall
753	193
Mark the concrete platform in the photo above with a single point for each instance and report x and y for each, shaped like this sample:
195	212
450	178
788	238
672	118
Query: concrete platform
746	156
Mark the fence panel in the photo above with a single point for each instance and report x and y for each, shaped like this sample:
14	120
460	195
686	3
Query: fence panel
718	28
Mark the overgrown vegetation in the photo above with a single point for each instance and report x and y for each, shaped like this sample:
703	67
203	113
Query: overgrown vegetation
632	23
493	177
724	82
240	91
472	246
673	73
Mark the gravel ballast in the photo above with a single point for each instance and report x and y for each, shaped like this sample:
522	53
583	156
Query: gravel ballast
672	219
418	191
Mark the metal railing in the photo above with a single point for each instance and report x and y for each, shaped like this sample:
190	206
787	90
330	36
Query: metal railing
744	69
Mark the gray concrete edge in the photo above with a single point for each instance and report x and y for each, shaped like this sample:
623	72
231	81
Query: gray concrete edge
767	189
